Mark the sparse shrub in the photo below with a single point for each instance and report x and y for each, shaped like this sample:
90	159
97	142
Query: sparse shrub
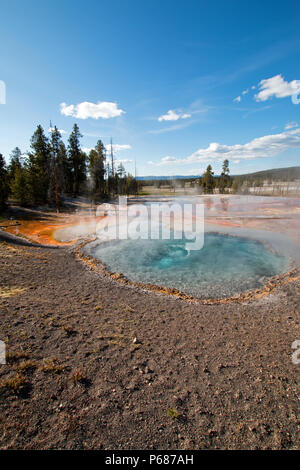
51	365
15	356
14	385
26	365
173	413
78	376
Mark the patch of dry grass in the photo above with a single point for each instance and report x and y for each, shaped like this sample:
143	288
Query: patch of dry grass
173	413
14	385
26	366
6	292
51	365
15	356
78	376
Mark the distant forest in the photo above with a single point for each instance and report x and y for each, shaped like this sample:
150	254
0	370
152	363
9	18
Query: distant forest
271	176
209	183
50	171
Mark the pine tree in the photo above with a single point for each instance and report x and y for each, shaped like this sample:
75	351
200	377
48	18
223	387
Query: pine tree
120	178
53	188
15	162
97	169
131	185
19	187
18	178
4	187
108	180
208	181
121	170
64	170
49	171
77	159
39	167
224	181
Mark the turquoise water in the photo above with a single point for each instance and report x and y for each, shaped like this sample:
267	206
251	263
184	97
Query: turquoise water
224	266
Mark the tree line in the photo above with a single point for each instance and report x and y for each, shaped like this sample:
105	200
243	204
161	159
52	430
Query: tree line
51	170
207	183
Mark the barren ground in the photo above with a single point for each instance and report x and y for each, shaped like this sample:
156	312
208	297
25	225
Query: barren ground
94	364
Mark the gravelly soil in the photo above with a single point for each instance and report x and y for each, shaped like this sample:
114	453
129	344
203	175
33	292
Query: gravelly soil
99	365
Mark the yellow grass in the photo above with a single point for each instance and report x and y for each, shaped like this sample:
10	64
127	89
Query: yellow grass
10	291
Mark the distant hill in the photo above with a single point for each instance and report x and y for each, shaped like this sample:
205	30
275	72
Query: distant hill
275	174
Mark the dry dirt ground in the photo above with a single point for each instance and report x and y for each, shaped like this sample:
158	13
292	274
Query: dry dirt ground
92	364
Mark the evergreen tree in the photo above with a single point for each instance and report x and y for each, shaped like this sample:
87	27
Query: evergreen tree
18	178
15	162
19	187
121	170
49	171
53	188
4	187
77	159
39	167
97	169
120	178
225	180
64	170
131	185
208	181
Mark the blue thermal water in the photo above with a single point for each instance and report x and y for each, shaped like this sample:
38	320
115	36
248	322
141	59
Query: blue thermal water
225	265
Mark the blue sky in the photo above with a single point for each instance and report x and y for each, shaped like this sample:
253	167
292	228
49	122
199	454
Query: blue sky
165	79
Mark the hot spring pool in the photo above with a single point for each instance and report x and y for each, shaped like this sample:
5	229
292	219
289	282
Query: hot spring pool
225	266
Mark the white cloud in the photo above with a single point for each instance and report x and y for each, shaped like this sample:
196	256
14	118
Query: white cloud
173	116
164	161
61	131
169	159
238	99
67	110
277	86
291	125
261	147
85	110
116	148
